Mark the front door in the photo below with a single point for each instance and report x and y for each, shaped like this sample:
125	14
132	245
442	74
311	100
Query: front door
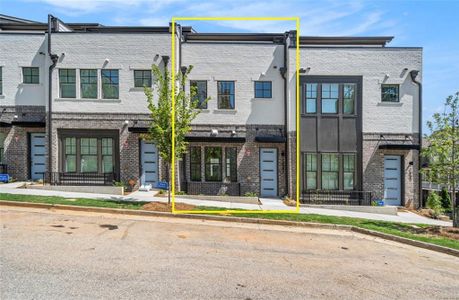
37	156
392	180
268	172
148	163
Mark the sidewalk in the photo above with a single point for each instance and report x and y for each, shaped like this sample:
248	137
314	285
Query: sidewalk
267	204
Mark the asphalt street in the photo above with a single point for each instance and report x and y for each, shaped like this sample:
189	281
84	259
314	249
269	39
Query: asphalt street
47	254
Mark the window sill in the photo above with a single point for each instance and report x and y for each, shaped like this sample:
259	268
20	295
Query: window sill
225	111
137	89
262	98
30	84
87	100
396	104
203	110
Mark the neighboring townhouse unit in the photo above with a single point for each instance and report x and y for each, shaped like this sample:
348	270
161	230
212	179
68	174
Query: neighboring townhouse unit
359	111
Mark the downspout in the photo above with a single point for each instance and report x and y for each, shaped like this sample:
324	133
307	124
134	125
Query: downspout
54	59
414	74
183	87
283	72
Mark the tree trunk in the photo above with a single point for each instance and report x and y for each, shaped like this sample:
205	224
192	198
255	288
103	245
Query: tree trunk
455	209
168	179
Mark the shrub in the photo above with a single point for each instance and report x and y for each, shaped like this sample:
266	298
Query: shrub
434	203
119	184
445	200
180	193
250	194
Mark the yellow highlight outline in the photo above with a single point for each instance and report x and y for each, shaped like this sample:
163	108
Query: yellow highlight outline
297	67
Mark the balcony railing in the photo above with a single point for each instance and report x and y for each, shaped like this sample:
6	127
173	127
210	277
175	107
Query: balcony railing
3	169
336	197
90	179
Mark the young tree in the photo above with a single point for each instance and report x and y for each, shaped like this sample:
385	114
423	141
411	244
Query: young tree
160	129
442	151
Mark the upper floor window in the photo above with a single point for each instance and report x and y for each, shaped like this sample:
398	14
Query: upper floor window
263	89
349	99
31	75
142	78
88	83
110	84
390	93
330	98
311	98
199	88
1	81
226	98
67	83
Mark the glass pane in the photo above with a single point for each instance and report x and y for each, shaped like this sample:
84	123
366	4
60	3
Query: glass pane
88	146
349	162
70	163
348	98
213	164
330	98
88	84
88	163
231	164
70	145
330	180
107	164
311	180
329	106
195	166
390	93
107	146
348	181
68	90
311	105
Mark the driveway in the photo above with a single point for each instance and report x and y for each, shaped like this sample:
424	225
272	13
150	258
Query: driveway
57	254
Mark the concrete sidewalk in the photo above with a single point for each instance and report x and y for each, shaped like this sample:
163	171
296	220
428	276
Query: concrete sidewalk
267	204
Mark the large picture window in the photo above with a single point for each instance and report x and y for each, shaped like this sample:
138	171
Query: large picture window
110	84
195	163
67	82
231	163
199	88
88	83
330	171
213	163
226	96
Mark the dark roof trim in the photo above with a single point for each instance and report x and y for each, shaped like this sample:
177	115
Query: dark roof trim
138	129
215	139
28	124
400	146
270	139
5	124
248	37
342	40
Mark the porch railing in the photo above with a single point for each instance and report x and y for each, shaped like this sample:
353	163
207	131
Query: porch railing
3	169
336	197
65	178
213	188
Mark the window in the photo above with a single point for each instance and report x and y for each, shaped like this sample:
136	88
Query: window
330	171
349	99
390	93
231	163
1	81
263	89
70	154
67	83
311	171
31	75
330	98
110	84
88	150
107	155
199	90
195	163
348	171
226	95
142	78
88	83
213	163
311	98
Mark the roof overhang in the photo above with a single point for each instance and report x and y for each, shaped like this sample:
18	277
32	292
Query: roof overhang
29	124
215	139
344	40
271	139
400	147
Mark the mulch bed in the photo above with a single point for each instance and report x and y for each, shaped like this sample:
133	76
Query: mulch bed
164	207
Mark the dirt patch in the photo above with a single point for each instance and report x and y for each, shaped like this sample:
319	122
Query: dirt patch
109	226
289	202
164	207
429	213
439	231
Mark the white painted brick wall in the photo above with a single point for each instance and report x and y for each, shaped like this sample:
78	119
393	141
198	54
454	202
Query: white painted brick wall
244	64
373	64
17	51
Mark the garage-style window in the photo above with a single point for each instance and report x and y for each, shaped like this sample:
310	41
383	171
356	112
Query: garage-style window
348	171
330	98
390	93
142	78
67	83
330	171
110	84
263	89
213	163
231	163
311	171
31	75
195	163
226	96
199	90
88	83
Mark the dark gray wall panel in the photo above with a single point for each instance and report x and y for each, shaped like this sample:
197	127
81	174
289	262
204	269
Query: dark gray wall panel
328	135
308	135
348	135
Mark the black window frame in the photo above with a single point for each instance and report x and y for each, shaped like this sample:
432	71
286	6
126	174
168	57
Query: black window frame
65	80
309	96
201	95
220	95
112	83
263	89
30	77
384	95
143	78
208	165
195	164
90	82
307	170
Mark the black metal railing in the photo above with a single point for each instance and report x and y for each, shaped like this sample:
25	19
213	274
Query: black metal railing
65	178
336	197
213	188
3	169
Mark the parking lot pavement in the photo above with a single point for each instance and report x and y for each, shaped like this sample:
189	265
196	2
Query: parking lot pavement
61	254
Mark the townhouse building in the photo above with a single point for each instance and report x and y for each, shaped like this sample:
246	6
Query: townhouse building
82	118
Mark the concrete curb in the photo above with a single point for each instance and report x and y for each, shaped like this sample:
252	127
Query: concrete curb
236	219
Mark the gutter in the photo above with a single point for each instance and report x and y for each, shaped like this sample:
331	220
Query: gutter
283	72
414	74
54	58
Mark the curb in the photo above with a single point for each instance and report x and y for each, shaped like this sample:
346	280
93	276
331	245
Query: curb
236	219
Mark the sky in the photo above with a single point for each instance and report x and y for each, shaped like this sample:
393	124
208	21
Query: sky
432	25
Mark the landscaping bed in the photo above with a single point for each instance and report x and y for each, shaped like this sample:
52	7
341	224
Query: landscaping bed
164	207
